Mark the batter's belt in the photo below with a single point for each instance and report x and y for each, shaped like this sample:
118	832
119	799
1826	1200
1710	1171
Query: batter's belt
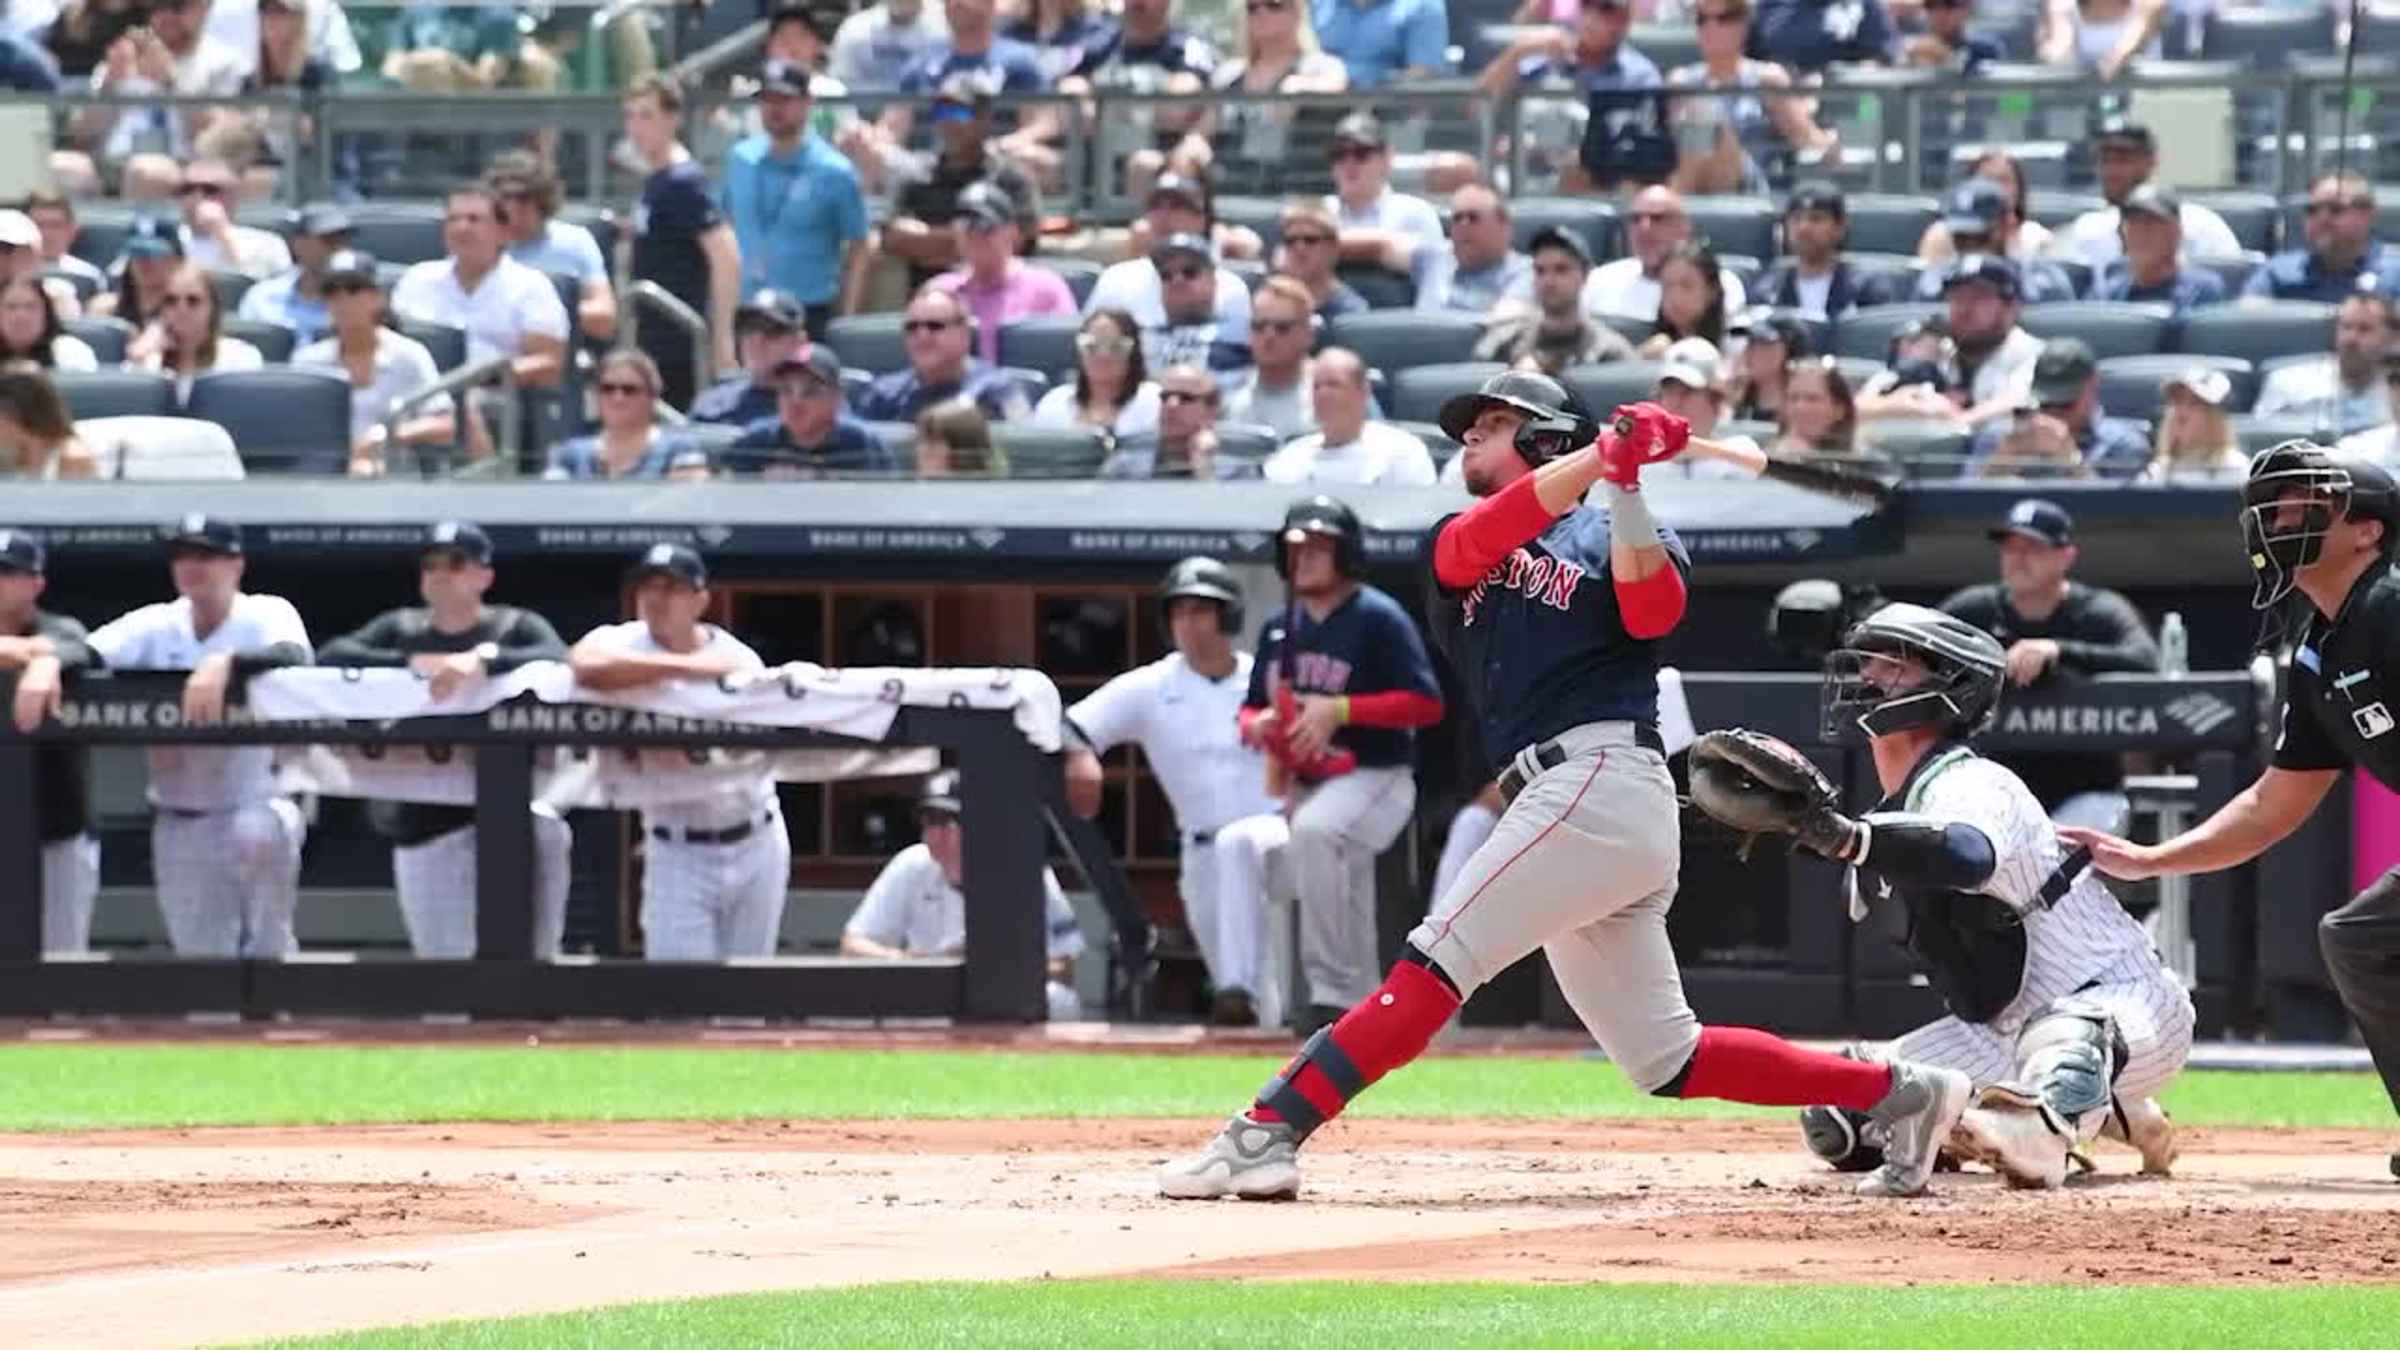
1532	761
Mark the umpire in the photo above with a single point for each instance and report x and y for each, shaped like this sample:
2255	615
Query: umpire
2323	524
41	647
451	641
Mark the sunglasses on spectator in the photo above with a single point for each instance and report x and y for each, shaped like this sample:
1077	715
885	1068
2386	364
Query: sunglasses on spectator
1308	239
2346	204
1184	396
1948	4
625	388
916	326
349	286
1189	272
1725	17
200	190
1104	345
1268	6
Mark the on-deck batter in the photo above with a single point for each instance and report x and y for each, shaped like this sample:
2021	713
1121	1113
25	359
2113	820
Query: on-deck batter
42	647
1555	609
715	869
225	847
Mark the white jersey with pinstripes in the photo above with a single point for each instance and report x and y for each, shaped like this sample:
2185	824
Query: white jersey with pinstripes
2085	937
732	805
161	637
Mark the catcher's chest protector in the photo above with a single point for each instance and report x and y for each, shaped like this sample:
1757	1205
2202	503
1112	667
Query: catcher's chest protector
1970	947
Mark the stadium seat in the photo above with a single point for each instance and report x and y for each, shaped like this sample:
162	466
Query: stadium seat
1261	214
116	393
898	437
1394	340
1743	225
1603	386
100	231
2250	215
106	336
1668	45
2055	209
1924	449
2259	330
1248	443
273	340
231	287
2259	433
1868	332
1633	330
84	284
1080	274
1889	222
446	344
1249	271
1419	392
2264	36
2113	328
1031	383
1436	440
2234	272
2130	386
1744	266
283	420
1045	343
2078	274
402	232
871	342
855	384
1380	286
714	437
1896	272
1050	452
1594	220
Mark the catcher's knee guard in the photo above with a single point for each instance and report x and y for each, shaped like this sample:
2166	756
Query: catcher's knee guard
2069	1057
1844	1138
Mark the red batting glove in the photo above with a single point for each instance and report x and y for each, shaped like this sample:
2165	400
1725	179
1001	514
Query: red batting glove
1643	433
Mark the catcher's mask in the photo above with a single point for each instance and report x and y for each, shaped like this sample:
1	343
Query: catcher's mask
2294	494
1960	690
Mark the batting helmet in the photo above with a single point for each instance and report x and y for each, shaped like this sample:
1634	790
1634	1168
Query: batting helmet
1964	668
1555	423
1207	579
1323	515
2284	532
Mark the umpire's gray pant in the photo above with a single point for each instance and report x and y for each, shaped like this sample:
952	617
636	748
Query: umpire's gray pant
2361	942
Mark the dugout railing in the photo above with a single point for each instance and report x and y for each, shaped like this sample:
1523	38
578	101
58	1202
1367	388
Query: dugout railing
1008	788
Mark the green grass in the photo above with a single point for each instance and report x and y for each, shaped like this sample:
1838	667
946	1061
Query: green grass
100	1086
1162	1314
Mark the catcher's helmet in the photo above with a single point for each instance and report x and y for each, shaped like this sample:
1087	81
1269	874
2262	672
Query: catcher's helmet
1964	668
1207	579
1555	422
1323	516
2294	494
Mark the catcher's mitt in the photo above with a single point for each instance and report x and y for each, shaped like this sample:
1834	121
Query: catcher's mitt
1755	784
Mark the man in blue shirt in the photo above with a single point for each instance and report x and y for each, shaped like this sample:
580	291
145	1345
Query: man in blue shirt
1004	66
1378	39
939	332
1980	216
767	332
2342	255
795	204
2150	221
2063	434
296	298
1809	35
809	435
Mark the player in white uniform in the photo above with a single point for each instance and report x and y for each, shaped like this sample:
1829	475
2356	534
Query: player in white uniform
2060	1010
225	848
1183	710
914	907
715	868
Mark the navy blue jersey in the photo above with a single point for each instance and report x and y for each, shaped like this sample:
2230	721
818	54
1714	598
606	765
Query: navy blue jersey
1538	644
1367	646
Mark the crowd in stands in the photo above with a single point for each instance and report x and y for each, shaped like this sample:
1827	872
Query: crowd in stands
864	288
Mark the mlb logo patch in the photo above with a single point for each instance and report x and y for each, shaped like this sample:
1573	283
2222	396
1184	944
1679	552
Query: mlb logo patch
2372	720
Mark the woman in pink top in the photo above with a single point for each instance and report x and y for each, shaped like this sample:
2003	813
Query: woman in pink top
996	285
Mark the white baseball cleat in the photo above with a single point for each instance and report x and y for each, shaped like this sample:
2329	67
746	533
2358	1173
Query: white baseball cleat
2010	1131
1251	1159
2143	1123
1919	1112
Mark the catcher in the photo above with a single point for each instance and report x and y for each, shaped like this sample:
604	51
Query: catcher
2059	1008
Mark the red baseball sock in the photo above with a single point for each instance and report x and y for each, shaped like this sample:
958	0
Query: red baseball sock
1389	1028
1743	1064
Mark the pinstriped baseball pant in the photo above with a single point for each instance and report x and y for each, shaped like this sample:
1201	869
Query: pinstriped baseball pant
228	880
435	881
70	882
2152	1012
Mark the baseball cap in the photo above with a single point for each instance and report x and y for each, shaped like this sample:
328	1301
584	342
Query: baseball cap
2060	373
987	205
1975	207
1182	243
1181	188
2152	200
1692	363
967	89
673	560
153	236
940	795
207	533
1818	195
783	77
352	264
2205	383
2036	518
817	362
460	537
1554	236
1360	128
1989	268
690	457
2119	127
18	230
21	552
771	308
321	220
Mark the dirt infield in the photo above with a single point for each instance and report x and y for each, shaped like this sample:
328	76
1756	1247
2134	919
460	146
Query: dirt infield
182	1237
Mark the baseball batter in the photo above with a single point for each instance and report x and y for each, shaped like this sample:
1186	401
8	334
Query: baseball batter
715	868
2059	1009
1359	682
2322	524
1183	710
41	647
915	906
1555	609
225	848
453	640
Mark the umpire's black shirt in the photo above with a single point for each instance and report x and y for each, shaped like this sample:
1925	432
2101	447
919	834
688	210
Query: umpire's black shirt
60	810
2097	631
395	635
2344	694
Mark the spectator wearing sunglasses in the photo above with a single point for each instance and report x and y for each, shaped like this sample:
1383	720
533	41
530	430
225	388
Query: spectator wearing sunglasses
1112	392
1275	52
206	196
1186	443
1481	267
1350	448
2341	255
810	435
1274	392
1727	143
1149	53
187	339
1190	309
998	286
630	443
1378	226
937	330
1584	56
927	188
1943	41
381	365
1655	222
1311	243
